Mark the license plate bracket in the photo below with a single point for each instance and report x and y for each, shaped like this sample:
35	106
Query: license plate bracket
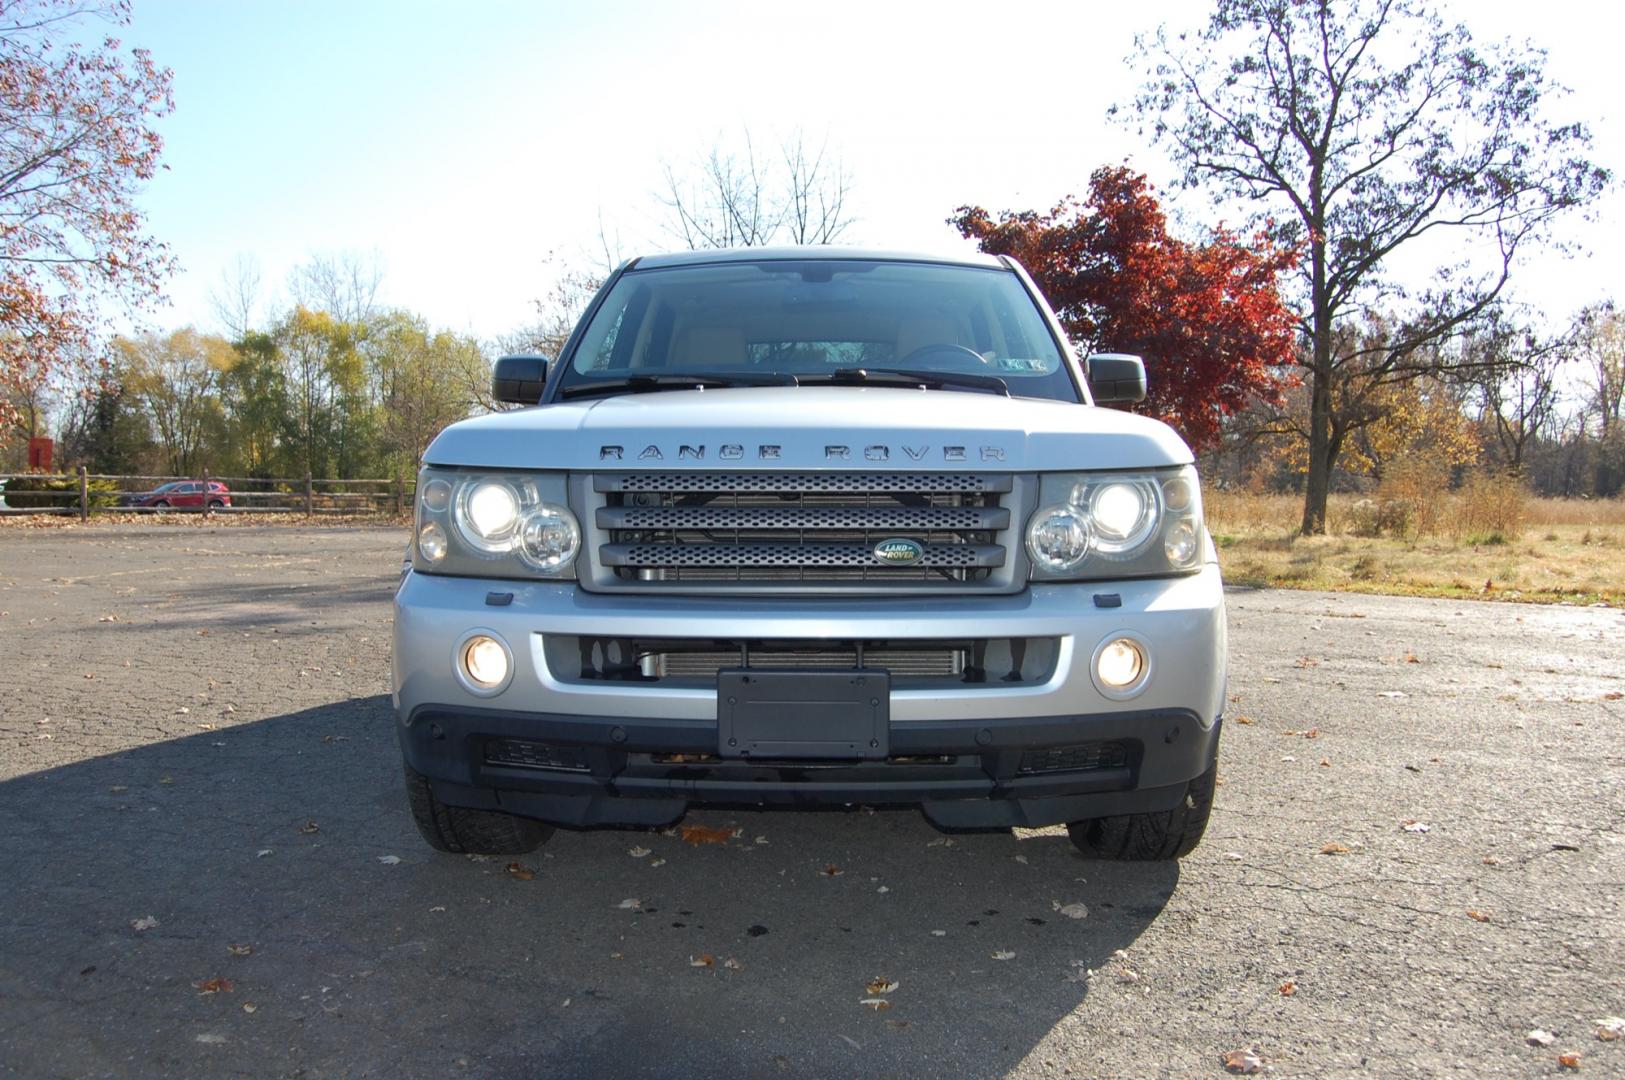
833	714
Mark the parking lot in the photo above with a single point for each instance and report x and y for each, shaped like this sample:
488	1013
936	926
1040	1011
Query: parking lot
1417	857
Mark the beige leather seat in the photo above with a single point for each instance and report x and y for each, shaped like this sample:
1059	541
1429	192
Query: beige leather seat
916	333
702	348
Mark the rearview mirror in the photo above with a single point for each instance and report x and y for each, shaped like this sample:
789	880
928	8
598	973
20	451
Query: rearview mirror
1115	377
518	380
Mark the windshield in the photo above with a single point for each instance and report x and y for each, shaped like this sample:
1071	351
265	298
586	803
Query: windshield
817	320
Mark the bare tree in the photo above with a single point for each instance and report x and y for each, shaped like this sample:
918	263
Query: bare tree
1513	373
236	295
1355	128
344	285
735	199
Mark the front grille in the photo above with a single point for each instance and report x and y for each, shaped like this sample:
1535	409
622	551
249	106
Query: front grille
657	530
1083	757
941	661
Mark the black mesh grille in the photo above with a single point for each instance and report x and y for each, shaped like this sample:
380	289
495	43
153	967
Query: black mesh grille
1084	756
665	528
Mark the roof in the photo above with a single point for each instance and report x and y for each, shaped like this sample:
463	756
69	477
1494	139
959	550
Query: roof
810	251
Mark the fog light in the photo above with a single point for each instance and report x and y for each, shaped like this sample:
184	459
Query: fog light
485	661
1120	664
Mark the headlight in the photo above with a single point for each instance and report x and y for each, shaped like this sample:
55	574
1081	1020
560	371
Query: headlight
1057	538
495	524
1139	524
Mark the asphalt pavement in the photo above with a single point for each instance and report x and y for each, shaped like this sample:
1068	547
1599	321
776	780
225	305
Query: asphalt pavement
207	868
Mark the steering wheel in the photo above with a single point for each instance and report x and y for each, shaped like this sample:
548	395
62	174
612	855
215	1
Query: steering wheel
960	358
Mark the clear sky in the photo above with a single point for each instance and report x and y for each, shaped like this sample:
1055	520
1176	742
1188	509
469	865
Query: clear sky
464	142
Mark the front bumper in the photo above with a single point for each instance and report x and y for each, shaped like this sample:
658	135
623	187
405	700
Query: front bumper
968	756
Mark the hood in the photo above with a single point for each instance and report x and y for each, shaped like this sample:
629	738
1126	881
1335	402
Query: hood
810	427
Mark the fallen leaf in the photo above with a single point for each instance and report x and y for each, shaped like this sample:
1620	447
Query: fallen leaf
883	889
704	961
262	853
1391	693
310	827
240	950
761	840
939	933
1412	825
1568	1060
1613	695
630	904
1287	988
1312	733
1334	849
1003	954
705	834
249	1006
520	871
390	860
880	985
1022	859
166	780
1233	856
1478	916
658	862
1410	658
832	871
941	841
733	965
1610	1028
1071	911
1244	719
638	852
1540	1037
437	907
148	923
876	1003
214	986
1244	1062
1307	662
1326	762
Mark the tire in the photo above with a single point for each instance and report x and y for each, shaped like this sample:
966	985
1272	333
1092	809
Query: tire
1169	834
161	504
463	831
216	504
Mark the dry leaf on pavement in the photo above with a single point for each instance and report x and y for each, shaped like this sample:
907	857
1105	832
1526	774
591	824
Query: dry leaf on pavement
147	923
240	950
1540	1037
704	961
1287	988
522	872
310	827
1610	1028
390	860
1243	1062
881	985
1334	849
832	871
214	986
705	834
1412	825
1478	916
1071	911
1004	954
876	1003
1568	1060
630	904
638	852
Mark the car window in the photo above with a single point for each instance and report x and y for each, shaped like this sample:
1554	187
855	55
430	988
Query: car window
812	316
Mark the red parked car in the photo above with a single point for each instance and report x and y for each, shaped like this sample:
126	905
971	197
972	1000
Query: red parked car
181	494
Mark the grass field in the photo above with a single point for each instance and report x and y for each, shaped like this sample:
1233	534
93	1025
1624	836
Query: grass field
1562	550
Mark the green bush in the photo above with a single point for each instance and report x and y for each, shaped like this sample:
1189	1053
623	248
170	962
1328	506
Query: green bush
35	492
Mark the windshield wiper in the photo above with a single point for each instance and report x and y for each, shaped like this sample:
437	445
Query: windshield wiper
671	380
927	380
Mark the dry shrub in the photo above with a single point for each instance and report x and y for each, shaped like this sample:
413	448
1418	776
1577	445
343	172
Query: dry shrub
1410	500
1491	507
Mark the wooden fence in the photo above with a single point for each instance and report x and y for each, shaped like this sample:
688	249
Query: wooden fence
85	493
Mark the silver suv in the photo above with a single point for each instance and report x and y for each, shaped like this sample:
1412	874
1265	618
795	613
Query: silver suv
790	527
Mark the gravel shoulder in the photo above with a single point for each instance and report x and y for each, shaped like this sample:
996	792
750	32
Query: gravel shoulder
195	738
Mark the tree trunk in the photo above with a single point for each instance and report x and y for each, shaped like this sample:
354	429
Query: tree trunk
1322	451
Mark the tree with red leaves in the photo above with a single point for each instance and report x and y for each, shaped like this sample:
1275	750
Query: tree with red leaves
1207	317
76	143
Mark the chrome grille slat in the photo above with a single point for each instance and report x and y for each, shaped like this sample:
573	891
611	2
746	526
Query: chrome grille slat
795	517
937	556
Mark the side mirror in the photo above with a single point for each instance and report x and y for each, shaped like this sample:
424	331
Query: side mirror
1115	377
518	380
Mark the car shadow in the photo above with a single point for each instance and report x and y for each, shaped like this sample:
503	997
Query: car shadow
274	864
